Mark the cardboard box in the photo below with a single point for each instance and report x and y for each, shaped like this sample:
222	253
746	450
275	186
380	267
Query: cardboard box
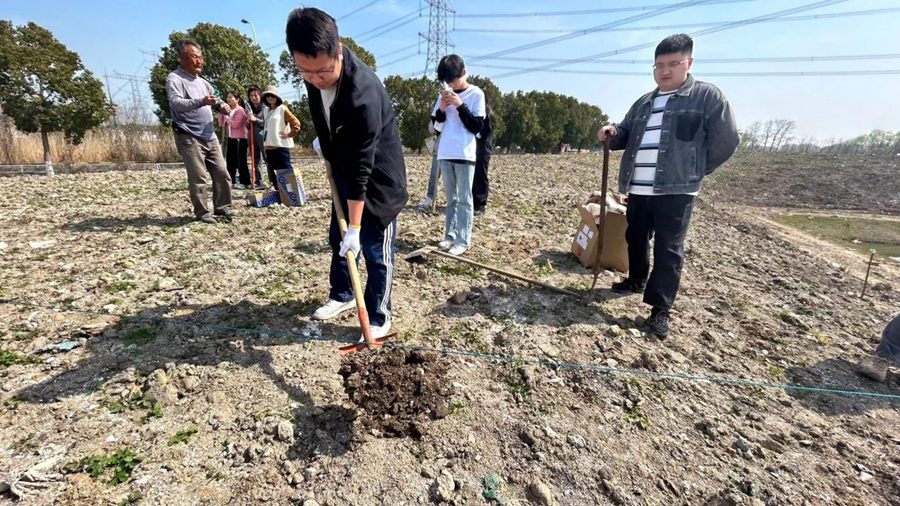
615	248
263	199
290	188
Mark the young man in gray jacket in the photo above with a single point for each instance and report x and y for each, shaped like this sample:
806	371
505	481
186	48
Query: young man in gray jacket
192	100
673	137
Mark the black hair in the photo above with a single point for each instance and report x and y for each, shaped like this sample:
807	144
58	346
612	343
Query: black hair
489	113
237	95
311	32
678	43
450	68
182	45
251	89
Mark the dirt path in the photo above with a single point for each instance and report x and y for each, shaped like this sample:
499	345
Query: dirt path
223	417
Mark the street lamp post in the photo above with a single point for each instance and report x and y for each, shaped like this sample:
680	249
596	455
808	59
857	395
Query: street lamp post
252	27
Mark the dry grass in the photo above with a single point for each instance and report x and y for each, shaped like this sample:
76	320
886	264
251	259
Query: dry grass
124	144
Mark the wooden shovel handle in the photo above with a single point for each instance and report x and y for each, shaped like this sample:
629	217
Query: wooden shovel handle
362	312
604	188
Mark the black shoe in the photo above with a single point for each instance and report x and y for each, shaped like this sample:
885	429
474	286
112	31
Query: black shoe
658	324
226	216
479	212
207	219
629	286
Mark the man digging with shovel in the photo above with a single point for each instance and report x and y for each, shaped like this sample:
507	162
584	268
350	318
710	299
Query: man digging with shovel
358	137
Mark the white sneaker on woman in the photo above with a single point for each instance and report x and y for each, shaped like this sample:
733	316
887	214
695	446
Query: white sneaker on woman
445	245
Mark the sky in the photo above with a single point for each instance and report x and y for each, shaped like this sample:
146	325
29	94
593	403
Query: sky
111	35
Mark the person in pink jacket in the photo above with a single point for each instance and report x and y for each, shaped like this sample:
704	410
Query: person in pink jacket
235	124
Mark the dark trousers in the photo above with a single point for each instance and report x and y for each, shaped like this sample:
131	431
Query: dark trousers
377	244
665	218
481	187
277	159
236	159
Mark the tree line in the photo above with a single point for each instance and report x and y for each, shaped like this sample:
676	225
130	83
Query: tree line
63	96
45	88
778	135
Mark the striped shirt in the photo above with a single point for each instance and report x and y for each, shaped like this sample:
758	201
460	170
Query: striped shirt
645	164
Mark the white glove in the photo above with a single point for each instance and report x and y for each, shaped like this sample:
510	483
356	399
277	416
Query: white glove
318	147
350	242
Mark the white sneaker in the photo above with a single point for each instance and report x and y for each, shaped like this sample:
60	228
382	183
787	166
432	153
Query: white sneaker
241	187
426	202
333	308
378	331
457	250
445	245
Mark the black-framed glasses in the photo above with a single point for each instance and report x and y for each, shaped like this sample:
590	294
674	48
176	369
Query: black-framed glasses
670	65
311	73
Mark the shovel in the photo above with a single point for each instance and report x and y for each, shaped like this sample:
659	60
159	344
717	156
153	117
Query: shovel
361	310
604	187
433	250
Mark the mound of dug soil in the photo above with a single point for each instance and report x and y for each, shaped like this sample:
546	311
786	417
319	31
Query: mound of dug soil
398	391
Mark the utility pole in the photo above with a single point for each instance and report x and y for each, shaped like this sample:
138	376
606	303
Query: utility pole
109	94
137	104
439	42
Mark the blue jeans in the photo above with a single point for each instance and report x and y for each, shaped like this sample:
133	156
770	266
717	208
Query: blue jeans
377	247
435	175
458	179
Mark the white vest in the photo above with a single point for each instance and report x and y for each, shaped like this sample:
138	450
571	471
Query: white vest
275	126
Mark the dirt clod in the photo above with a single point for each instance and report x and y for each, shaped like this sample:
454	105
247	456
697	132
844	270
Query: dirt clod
398	391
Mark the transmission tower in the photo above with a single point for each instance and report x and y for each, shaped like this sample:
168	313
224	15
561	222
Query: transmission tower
439	42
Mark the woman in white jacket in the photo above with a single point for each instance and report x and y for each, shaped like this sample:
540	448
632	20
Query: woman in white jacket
281	126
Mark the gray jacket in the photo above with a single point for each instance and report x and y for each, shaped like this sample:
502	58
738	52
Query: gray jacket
698	135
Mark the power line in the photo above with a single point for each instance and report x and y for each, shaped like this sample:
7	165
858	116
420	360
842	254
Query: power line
398	60
406	16
388	30
364	7
713	74
729	26
772	59
280	44
586	12
625	21
397	51
870	12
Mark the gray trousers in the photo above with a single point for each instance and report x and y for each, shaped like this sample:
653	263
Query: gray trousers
200	158
889	347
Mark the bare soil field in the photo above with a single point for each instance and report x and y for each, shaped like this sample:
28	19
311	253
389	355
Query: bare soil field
792	180
199	378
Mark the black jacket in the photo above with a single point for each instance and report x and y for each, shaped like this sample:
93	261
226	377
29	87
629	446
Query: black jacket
363	146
